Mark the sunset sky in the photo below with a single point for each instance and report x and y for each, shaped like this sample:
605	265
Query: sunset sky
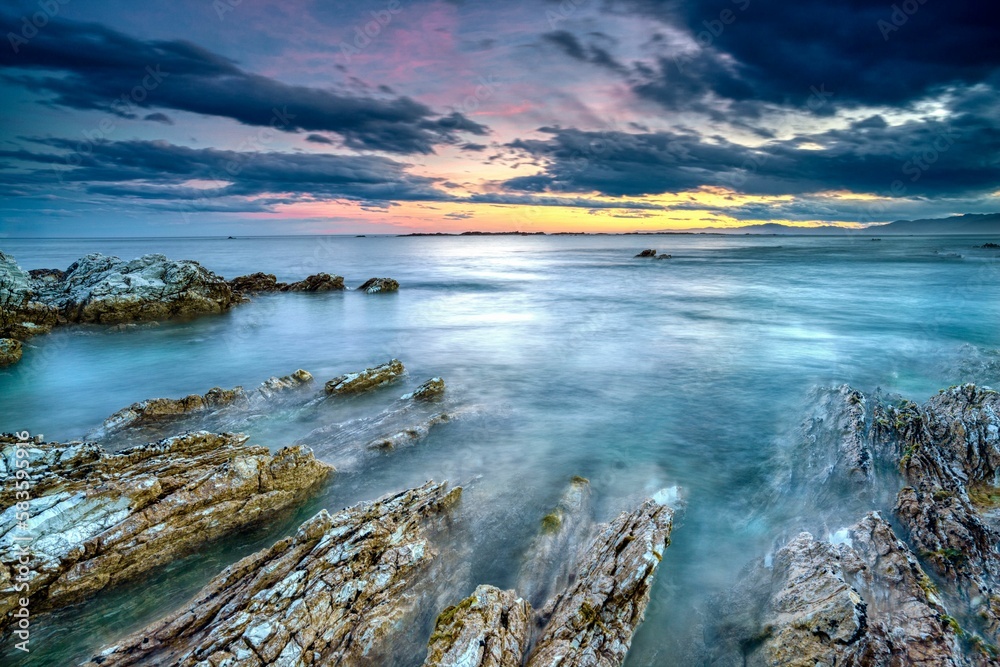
248	117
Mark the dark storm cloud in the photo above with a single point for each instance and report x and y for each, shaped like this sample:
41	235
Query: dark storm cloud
918	158
870	52
159	170
159	118
99	68
569	44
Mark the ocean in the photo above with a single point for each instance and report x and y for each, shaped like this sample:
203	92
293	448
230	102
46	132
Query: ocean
570	357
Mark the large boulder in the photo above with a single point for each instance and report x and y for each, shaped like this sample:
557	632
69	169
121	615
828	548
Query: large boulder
97	519
109	290
331	594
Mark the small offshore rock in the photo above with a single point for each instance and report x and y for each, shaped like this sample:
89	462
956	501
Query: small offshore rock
648	252
10	351
431	390
994	246
321	282
664	256
99	519
256	283
366	380
332	594
379	285
490	628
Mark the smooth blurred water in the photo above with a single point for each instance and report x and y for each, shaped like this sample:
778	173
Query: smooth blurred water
578	360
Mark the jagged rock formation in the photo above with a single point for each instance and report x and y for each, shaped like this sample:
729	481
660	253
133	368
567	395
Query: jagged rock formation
951	461
490	628
10	351
98	519
108	290
333	593
378	285
861	599
549	561
162	409
21	315
366	380
648	252
592	622
588	623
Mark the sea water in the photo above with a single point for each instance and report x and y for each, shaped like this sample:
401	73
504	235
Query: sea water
573	357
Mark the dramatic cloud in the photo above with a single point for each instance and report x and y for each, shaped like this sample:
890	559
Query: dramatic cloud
158	170
868	52
918	158
99	68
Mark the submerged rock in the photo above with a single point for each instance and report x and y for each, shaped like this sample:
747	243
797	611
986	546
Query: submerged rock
549	561
157	410
160	408
648	252
409	435
333	593
98	519
490	628
592	622
377	285
321	282
860	599
108	290
256	283
664	256
431	390
10	351
366	380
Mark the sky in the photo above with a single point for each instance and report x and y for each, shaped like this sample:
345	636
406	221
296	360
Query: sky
207	117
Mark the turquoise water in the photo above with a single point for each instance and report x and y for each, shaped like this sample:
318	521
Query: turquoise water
570	358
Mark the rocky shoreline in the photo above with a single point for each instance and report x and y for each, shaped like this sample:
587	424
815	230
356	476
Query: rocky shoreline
98	289
916	588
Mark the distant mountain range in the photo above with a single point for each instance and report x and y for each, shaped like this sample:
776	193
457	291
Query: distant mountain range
983	225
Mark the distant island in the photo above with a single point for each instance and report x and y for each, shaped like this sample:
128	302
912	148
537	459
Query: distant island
987	224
